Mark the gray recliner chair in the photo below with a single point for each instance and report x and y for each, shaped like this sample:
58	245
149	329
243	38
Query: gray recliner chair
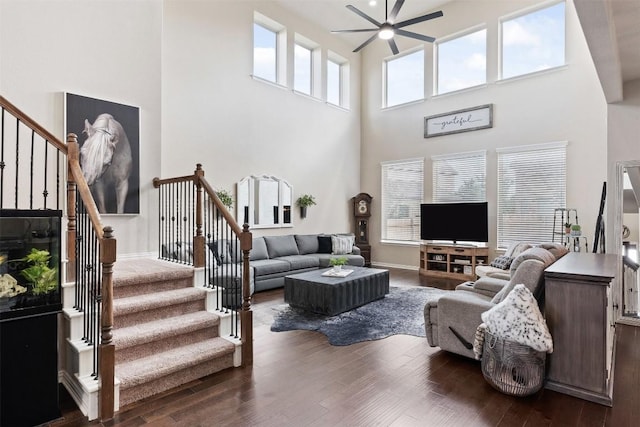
452	319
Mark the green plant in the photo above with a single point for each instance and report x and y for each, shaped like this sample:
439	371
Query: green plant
338	261
567	225
306	200
225	197
42	278
576	227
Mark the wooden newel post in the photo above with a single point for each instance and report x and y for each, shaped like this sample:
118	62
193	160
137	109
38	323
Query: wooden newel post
107	348
198	239
246	315
73	155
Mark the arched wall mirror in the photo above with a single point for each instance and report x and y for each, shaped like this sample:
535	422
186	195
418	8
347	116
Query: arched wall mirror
264	202
627	236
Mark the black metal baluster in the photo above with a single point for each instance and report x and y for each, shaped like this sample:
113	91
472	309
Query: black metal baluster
17	159
33	135
2	163
45	193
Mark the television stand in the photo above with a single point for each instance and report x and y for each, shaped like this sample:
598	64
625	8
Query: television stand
451	261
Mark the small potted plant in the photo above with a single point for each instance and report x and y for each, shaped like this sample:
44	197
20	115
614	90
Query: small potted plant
338	262
304	202
576	230
225	197
567	227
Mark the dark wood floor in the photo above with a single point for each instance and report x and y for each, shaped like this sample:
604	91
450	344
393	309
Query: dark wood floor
298	379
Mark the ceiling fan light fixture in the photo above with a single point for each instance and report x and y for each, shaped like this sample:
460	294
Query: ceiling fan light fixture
386	32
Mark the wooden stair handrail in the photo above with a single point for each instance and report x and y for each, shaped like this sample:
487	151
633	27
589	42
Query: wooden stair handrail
32	124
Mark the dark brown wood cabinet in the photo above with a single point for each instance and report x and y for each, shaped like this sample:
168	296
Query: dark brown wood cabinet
578	310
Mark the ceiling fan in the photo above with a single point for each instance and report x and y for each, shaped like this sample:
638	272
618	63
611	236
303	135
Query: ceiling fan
388	29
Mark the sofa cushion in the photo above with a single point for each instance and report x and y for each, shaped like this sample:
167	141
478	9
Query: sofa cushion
342	244
299	262
502	262
278	246
307	243
324	244
262	267
352	259
224	254
258	249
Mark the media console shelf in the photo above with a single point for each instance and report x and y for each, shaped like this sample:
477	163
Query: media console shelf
451	261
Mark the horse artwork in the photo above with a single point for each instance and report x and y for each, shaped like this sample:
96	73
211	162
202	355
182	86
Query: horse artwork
106	161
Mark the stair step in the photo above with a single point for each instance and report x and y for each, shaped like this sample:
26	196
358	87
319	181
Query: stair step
143	275
143	339
160	305
156	373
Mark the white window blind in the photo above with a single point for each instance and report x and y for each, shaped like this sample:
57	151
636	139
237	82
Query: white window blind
460	177
402	191
531	184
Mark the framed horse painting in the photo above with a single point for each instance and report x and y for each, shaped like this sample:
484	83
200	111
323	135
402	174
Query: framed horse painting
109	138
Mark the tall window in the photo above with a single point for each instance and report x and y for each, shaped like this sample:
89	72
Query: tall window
333	82
533	42
264	53
337	80
404	78
302	69
402	191
462	62
460	177
269	49
531	184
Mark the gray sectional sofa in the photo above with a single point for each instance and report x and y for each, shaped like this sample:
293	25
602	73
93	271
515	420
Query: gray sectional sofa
271	259
274	257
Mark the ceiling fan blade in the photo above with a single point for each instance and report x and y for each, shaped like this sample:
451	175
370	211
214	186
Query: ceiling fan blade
369	40
418	19
394	11
393	46
415	36
364	15
355	31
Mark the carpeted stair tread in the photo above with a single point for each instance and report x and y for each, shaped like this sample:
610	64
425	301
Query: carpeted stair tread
147	369
156	300
143	333
136	271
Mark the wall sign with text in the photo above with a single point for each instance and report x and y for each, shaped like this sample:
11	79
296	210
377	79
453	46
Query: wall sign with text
466	120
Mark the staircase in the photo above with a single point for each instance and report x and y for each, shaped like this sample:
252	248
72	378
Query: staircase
163	334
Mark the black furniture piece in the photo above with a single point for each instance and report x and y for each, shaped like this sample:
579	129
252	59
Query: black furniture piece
29	317
331	295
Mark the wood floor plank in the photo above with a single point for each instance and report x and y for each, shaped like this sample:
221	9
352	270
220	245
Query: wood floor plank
299	379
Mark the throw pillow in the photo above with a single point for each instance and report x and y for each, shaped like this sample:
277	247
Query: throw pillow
342	245
502	262
324	244
519	319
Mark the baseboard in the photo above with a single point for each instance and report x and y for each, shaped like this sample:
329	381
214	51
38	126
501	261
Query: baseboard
398	266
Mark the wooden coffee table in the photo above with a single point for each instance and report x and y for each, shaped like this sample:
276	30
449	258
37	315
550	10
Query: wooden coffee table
329	295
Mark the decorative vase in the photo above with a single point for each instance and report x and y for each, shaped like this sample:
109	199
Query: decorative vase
303	211
337	268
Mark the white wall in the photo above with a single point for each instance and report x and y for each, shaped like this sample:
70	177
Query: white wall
216	114
624	145
103	49
561	105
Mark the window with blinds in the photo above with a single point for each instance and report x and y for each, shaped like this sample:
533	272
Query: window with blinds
460	177
402	191
531	184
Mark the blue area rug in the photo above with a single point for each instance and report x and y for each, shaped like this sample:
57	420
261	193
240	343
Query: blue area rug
399	312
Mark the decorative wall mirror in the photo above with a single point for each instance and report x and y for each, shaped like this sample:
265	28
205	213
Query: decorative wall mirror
264	202
627	236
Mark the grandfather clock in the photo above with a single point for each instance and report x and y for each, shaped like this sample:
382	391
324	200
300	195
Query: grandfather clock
361	213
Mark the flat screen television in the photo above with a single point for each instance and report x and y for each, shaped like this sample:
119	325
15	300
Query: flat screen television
458	222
